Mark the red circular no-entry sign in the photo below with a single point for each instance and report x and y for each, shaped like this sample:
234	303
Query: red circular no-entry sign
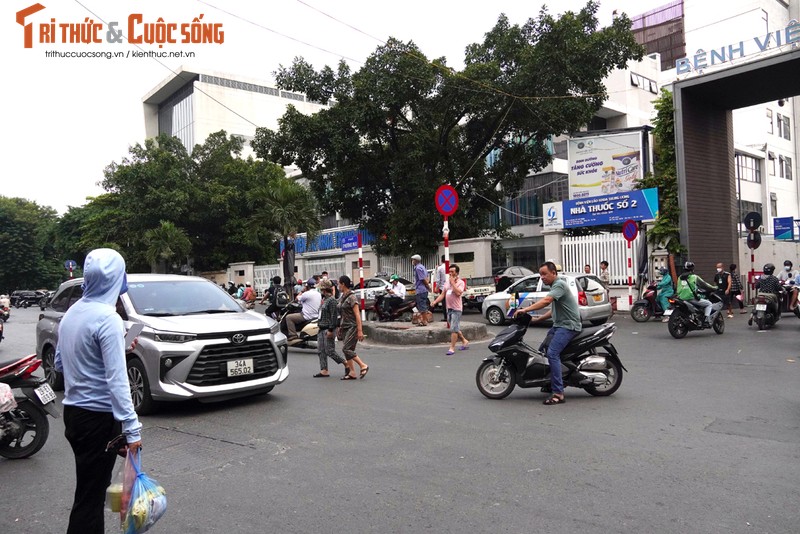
446	200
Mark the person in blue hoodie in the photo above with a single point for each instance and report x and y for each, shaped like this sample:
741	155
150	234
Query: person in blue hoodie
97	399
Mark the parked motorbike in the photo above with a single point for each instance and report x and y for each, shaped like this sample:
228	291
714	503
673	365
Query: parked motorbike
685	317
647	306
588	362
766	311
403	312
306	331
24	428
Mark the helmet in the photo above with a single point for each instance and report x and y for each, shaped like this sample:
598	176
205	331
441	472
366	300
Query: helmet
663	270
689	266
769	268
787	262
393	278
416	257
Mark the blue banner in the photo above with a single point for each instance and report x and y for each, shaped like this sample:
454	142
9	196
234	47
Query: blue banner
331	240
350	243
637	205
784	228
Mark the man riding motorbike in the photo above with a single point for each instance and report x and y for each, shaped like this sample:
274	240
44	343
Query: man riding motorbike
770	286
395	295
688	283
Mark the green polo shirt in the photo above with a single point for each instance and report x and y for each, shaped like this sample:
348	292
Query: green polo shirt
564	307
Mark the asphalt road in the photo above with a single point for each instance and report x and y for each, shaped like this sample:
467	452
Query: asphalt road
701	437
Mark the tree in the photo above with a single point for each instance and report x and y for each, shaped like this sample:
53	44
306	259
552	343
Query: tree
667	228
29	261
403	125
165	244
282	208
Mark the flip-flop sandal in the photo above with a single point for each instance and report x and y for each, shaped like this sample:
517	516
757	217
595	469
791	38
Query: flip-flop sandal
450	353
554	400
364	372
320	375
348	377
463	347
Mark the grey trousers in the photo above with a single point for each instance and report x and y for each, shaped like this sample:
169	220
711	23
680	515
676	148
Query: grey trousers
326	348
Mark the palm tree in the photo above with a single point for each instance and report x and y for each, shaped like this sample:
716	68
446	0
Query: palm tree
282	208
166	243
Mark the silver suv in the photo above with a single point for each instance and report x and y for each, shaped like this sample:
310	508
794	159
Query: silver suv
197	342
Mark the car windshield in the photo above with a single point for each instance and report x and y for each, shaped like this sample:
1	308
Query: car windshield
184	297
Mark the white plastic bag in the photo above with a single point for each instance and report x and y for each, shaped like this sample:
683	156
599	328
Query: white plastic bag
7	402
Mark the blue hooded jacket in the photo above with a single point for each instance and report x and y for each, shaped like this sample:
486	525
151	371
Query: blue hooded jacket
91	339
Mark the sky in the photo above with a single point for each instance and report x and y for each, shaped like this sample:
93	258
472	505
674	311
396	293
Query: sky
67	118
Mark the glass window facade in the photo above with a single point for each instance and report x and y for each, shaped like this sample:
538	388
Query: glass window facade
748	168
176	116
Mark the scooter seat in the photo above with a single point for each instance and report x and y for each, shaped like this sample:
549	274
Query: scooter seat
587	332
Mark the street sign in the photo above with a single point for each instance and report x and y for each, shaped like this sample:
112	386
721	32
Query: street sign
446	200
70	265
630	230
349	243
754	240
784	228
752	220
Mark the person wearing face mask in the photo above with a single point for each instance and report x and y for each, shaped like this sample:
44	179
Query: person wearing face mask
723	281
787	274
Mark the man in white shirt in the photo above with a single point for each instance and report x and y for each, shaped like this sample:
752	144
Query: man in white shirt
394	295
441	279
310	299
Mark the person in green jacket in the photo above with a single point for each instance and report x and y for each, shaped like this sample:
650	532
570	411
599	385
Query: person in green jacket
665	290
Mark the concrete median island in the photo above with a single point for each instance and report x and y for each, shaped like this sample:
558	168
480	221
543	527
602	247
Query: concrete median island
405	333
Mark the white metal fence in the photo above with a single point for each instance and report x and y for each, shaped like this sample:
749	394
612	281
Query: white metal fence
262	274
402	265
335	266
578	251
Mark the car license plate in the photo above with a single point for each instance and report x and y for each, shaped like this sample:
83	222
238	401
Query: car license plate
597	298
45	393
240	367
668	312
761	307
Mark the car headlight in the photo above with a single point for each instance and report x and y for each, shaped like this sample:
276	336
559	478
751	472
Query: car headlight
171	337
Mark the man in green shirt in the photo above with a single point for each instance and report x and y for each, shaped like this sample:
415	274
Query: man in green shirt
566	325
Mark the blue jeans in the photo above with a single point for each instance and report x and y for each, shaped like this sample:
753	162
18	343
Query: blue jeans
422	301
556	339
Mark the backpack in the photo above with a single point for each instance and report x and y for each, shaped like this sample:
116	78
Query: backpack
279	297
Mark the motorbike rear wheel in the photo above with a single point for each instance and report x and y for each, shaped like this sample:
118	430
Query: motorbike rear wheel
677	326
28	429
719	324
493	382
641	313
761	321
614	373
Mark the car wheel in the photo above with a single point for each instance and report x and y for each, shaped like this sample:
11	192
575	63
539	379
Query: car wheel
53	377
140	387
495	316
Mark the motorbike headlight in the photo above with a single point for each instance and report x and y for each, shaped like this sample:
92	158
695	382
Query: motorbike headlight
174	337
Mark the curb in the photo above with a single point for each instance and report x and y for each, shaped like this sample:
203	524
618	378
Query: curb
408	334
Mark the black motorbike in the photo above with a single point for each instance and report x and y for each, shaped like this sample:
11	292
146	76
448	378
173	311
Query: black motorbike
685	316
588	362
24	428
403	312
766	311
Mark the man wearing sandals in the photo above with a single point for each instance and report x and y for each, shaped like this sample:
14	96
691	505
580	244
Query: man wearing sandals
566	325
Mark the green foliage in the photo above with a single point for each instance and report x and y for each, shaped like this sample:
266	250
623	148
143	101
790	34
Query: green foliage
283	207
667	226
165	244
29	258
403	125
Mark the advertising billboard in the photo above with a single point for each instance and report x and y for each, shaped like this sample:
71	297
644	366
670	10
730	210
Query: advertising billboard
636	205
604	164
